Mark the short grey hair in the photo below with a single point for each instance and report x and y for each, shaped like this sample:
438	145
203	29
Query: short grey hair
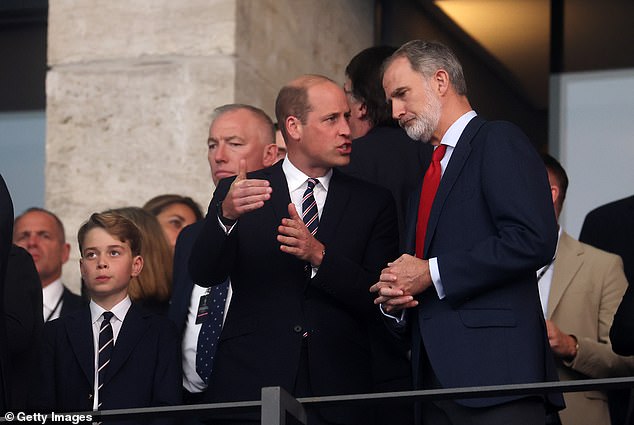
221	110
427	57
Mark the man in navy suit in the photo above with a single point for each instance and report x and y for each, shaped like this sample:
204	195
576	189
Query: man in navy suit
471	294
237	131
41	233
301	308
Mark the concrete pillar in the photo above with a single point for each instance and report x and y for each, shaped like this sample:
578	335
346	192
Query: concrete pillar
132	84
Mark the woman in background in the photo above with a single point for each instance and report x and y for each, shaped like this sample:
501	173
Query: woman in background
173	213
152	287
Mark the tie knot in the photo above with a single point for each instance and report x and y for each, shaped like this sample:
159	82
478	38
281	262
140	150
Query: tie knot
311	183
439	152
107	315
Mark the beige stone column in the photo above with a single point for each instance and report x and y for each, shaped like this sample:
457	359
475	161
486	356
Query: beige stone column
132	84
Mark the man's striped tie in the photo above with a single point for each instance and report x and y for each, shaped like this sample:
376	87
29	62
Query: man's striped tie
309	207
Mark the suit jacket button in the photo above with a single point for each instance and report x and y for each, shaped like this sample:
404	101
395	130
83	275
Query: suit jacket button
297	328
89	396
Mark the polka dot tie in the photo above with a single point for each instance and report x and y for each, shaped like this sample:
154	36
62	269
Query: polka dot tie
210	331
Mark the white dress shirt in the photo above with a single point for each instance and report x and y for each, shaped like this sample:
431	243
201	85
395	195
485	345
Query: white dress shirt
545	279
192	382
52	300
450	139
96	313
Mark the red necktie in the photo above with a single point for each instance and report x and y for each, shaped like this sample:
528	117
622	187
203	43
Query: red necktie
427	194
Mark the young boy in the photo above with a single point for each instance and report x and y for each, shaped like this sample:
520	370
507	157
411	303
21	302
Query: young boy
110	354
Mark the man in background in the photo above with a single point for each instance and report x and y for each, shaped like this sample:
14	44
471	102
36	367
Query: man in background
610	227
580	290
41	233
383	154
381	151
237	132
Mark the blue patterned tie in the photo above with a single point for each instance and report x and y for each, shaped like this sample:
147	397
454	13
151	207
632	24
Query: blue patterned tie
210	331
106	344
310	214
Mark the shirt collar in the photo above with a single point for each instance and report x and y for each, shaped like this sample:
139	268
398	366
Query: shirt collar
52	292
120	310
296	178
454	132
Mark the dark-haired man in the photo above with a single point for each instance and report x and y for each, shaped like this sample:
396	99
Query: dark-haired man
382	153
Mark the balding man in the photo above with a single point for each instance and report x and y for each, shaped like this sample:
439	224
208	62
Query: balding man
302	244
237	133
41	233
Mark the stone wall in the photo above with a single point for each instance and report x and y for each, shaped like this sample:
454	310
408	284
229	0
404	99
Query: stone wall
132	84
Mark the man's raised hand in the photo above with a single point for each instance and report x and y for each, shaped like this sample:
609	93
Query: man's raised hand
245	194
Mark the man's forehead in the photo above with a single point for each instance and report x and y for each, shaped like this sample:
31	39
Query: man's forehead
398	67
234	124
37	220
328	97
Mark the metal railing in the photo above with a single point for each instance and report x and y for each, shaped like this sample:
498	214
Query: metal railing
275	403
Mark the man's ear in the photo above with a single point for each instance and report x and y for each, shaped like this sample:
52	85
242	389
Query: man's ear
270	155
137	266
359	110
554	192
65	252
293	127
440	82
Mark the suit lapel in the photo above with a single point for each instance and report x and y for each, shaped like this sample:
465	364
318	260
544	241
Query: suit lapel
334	208
79	332
567	263
452	172
280	198
134	327
336	200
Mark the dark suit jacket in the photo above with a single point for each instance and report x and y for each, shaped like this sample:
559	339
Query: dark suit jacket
275	302
6	236
182	283
388	157
23	307
622	330
611	228
71	302
144	369
491	226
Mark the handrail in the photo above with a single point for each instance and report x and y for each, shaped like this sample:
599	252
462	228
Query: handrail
276	402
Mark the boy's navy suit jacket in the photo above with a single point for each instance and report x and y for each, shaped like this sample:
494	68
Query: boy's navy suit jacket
144	370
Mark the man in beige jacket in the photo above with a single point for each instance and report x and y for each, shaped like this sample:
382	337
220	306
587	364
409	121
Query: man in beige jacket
580	291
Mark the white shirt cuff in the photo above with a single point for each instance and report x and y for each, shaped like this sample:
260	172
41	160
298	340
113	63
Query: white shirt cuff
435	277
399	320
